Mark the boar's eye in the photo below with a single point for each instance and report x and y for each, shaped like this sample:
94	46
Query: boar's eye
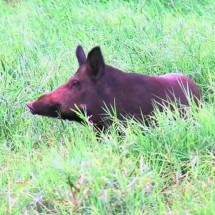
74	83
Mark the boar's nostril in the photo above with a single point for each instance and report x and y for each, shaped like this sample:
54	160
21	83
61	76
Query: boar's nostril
30	106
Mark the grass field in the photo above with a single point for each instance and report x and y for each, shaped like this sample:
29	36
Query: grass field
55	167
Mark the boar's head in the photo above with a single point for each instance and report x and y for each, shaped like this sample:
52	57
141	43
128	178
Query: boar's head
82	91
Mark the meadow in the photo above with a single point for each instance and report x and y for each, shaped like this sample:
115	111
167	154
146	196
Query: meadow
49	166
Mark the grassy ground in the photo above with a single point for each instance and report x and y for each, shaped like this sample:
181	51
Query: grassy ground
47	166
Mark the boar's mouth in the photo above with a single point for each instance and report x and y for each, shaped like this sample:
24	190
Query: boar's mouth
49	111
53	111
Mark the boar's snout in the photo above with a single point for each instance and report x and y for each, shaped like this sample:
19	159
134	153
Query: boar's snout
30	106
44	108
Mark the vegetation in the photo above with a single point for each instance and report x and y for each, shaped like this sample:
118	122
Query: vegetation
60	167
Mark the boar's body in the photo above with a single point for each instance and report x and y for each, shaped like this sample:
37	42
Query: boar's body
95	85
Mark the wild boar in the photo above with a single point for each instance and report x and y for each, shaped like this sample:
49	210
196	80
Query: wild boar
96	85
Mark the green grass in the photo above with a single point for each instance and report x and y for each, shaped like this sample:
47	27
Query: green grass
50	167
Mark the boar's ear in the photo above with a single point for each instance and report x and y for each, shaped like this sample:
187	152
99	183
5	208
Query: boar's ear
96	62
80	55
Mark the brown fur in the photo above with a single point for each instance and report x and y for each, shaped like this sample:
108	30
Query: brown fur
95	84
